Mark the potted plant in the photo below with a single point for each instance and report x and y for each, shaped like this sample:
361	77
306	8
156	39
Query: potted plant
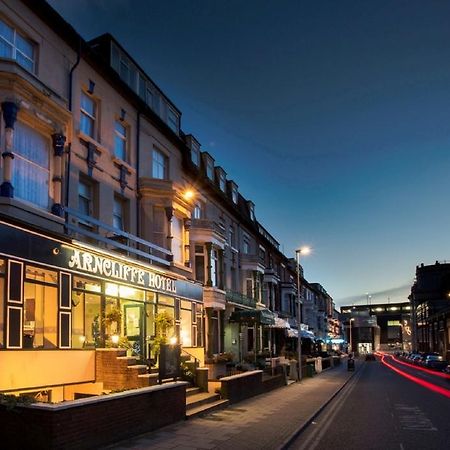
163	323
217	364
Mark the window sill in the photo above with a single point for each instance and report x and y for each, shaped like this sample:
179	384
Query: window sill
181	266
92	141
121	162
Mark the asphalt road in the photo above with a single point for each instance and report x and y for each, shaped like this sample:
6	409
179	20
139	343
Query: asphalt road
380	409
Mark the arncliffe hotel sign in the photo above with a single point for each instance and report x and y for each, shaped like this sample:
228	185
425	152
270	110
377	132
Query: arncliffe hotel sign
99	265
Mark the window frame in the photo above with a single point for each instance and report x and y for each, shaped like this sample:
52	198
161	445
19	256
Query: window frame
123	139
39	130
15	48
88	115
162	165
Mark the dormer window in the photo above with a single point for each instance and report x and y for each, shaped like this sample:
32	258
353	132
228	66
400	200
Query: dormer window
233	191
221	179
209	166
173	120
195	153
251	210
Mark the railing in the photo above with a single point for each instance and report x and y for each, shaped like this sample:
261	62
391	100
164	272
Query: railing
240	299
116	239
196	360
208	225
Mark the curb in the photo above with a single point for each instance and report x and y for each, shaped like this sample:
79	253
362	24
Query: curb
288	441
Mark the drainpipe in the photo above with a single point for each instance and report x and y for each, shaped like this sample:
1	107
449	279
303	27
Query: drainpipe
69	158
138	159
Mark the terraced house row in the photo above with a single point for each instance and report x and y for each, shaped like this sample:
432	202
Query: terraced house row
112	216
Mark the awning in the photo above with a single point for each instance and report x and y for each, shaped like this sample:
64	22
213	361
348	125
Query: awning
305	334
280	323
260	316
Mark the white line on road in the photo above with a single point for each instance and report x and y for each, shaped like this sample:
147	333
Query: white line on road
325	420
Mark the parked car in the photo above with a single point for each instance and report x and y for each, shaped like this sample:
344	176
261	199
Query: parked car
435	362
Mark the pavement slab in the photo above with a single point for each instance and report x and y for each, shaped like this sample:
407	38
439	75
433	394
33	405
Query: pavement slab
268	421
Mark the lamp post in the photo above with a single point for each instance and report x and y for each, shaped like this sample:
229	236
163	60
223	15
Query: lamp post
304	251
351	336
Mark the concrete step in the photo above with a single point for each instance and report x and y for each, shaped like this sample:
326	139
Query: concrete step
206	408
140	368
131	360
148	379
199	399
192	391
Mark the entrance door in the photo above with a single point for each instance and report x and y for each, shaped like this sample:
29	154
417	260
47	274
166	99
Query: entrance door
134	327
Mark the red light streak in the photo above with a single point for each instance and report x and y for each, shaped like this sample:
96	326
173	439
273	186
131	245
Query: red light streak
423	383
423	369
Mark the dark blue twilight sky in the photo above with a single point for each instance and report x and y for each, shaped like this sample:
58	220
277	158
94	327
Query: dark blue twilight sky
332	116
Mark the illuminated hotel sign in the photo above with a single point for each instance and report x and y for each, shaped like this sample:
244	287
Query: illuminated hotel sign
99	265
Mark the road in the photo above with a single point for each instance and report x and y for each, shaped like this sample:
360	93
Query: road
382	409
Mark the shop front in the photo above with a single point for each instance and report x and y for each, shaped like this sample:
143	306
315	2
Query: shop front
60	301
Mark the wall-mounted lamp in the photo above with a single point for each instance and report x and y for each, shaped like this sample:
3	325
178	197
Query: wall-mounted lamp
91	87
188	194
173	340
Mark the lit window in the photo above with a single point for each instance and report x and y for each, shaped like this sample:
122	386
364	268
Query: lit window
159	167
31	173
177	240
214	267
87	116
120	141
197	211
118	214
15	46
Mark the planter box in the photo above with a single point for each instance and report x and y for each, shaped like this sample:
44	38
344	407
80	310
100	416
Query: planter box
216	370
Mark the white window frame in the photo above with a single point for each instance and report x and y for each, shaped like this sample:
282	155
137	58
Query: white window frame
48	170
87	114
122	137
195	154
210	169
15	49
159	166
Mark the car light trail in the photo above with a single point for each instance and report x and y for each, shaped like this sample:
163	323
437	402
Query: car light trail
423	383
423	369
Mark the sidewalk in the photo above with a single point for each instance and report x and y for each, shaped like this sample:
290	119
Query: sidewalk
267	421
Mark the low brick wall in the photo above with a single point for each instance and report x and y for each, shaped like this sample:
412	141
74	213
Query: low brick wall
275	382
92	422
244	385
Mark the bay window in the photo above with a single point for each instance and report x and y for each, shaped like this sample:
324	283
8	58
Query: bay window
31	174
14	46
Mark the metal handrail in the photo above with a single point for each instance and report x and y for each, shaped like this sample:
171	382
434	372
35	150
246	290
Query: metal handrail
240	299
196	360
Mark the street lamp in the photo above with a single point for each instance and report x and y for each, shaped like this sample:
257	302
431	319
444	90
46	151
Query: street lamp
303	251
351	336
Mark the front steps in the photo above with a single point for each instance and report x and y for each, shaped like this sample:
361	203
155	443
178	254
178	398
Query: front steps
199	403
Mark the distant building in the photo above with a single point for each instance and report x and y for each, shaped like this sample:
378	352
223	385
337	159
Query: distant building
377	327
430	301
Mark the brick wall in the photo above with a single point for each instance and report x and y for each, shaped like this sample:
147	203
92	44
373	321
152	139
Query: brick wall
239	387
92	422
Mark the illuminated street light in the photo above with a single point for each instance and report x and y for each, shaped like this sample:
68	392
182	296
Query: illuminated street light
303	251
188	194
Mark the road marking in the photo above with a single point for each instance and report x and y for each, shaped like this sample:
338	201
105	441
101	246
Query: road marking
412	418
326	418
